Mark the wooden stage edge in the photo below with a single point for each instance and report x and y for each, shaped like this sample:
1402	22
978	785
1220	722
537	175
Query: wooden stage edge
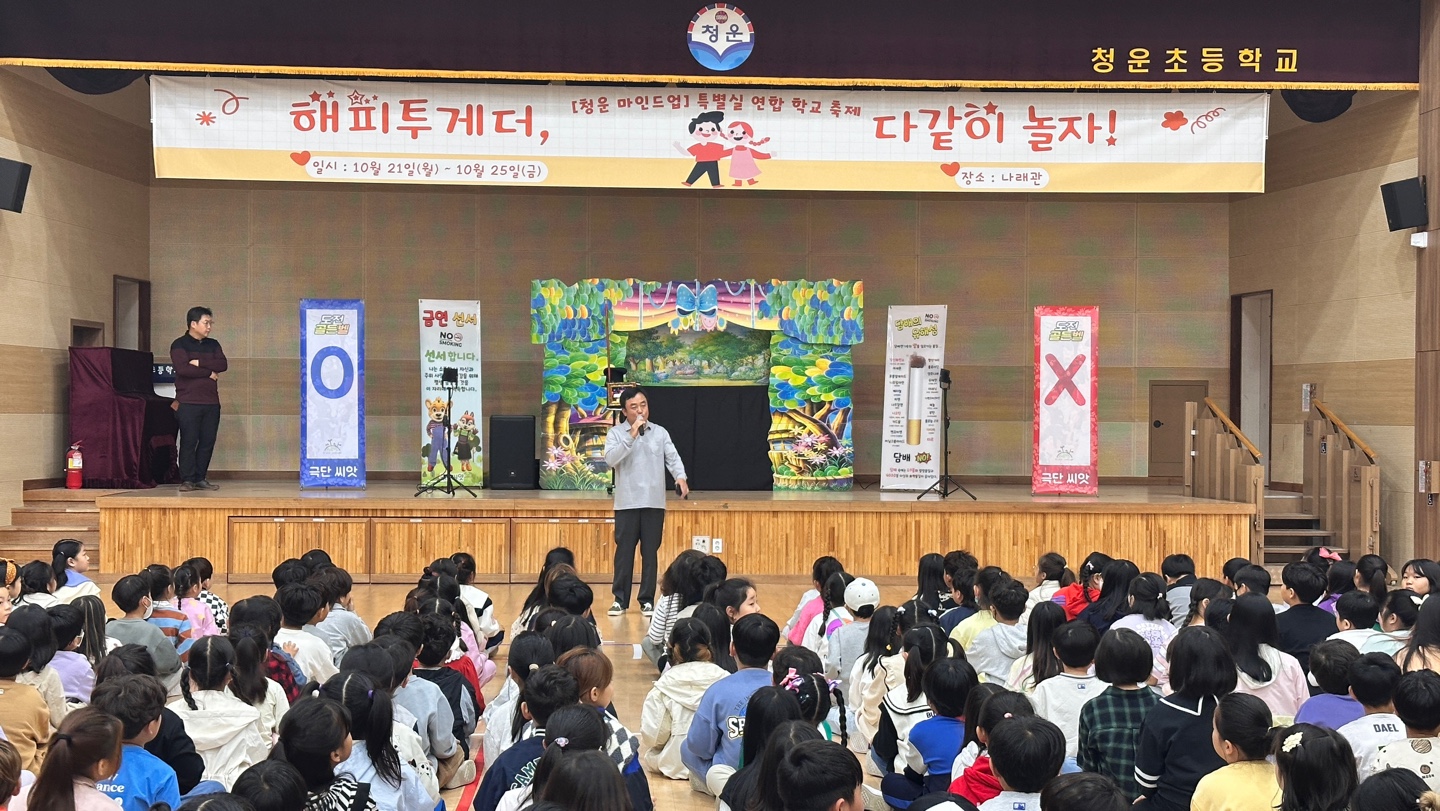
385	535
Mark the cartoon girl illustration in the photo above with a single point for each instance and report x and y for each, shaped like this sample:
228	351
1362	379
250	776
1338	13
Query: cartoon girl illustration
744	154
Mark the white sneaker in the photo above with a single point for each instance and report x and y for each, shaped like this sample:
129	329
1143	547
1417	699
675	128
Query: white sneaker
646	609
616	609
464	776
874	800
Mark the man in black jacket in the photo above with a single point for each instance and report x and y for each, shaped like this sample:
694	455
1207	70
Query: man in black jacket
198	361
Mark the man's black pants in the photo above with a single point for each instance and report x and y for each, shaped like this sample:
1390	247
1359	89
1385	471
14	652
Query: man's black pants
198	426
647	526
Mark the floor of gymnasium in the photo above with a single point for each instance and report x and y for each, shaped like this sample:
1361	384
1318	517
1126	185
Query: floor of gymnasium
634	674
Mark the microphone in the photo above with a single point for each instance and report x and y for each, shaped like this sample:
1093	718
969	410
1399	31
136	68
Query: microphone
643	426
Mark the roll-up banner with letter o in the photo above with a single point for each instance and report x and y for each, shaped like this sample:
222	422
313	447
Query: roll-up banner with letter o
332	393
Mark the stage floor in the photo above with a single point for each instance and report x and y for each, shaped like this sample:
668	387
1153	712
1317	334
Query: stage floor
384	534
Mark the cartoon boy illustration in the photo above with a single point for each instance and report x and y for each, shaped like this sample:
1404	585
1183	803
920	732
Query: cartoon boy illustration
708	148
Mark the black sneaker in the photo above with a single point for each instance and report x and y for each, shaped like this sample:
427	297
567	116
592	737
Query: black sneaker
646	609
616	609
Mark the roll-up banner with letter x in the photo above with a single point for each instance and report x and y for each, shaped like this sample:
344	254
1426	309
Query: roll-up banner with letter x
1067	428
332	393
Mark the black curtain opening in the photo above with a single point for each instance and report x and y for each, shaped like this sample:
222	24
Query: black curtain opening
721	432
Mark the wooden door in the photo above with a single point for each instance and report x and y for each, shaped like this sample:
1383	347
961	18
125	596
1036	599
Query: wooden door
1167	423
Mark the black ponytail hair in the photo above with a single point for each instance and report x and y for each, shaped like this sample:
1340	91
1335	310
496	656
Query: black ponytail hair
248	680
881	638
371	717
922	645
36	577
464	567
716	620
1147	595
555	557
186	578
37	626
1205	588
690	642
311	730
1404	605
212	658
1340	578
1094	564
529	652
60	558
1044	619
913	613
979	694
1245	721
816	696
1054	567
930	580
570	729
1376	573
832	596
1001	707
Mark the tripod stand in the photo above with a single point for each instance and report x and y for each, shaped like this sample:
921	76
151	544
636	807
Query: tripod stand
946	484
447	484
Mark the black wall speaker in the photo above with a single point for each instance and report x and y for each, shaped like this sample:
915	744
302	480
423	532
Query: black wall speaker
14	179
1405	204
512	453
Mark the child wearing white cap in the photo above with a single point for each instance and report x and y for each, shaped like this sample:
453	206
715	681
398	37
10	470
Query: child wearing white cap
847	644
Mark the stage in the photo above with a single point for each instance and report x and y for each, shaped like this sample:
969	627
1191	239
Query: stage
384	535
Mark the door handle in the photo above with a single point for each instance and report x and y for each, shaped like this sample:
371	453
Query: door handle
1157	424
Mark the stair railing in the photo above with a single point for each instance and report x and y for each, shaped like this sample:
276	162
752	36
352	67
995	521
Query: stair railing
1341	484
1222	463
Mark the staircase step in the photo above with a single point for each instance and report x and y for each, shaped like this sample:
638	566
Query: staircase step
53	514
51	494
1300	550
45	537
1284	516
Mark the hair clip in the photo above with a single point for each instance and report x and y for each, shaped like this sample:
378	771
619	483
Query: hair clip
900	612
561	742
64	736
792	681
369	693
1326	554
534	667
1292	742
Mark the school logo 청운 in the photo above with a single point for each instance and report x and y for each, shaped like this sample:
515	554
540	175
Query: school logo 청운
721	36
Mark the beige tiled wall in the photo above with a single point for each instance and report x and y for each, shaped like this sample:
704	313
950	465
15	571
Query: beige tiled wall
1344	287
86	220
1156	266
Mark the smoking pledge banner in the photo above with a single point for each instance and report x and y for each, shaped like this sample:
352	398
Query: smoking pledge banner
450	413
732	138
1067	426
332	393
914	438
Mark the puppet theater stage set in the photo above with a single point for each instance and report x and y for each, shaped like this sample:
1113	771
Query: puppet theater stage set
754	382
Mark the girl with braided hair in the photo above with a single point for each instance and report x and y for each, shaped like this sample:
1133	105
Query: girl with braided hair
818	696
373	759
878	671
906	704
227	731
832	617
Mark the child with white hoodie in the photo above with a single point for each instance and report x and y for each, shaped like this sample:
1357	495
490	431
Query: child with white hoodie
671	704
997	648
228	733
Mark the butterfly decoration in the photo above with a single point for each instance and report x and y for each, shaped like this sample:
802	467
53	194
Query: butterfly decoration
702	309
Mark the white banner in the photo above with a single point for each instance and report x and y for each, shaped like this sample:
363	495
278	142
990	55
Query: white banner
1067	385
332	393
913	444
662	137
451	418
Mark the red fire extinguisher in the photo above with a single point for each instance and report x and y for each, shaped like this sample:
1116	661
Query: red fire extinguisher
74	468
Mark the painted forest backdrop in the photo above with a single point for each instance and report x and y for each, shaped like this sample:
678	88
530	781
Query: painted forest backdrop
793	337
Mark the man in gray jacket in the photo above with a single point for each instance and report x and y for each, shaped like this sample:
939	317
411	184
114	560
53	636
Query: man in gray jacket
639	452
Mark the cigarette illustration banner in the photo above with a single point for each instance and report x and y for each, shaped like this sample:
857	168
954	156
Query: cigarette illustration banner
913	444
668	137
1067	425
332	393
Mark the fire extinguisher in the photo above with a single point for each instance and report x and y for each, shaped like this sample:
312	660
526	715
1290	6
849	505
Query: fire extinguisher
74	468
